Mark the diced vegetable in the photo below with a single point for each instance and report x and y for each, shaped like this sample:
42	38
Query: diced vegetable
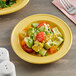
37	46
50	36
43	52
46	28
40	36
37	30
22	34
47	45
35	24
28	41
56	31
58	41
42	28
35	33
31	31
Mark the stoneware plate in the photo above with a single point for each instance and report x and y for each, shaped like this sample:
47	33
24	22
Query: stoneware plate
53	20
15	7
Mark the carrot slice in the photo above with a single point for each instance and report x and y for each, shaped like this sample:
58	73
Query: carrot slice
53	49
23	43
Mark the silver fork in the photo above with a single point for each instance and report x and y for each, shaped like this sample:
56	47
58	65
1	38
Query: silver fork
68	6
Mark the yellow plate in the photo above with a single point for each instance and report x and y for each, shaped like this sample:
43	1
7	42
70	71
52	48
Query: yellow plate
15	7
63	27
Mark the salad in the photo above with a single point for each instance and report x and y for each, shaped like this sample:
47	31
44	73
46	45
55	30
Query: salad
41	39
6	3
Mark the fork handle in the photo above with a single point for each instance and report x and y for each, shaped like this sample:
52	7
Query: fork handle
73	12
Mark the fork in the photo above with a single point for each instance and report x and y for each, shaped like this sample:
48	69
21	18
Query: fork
68	6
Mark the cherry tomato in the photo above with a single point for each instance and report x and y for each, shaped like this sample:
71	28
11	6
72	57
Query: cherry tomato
27	49
40	36
41	24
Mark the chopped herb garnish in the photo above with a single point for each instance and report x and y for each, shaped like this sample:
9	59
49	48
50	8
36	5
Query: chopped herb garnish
52	44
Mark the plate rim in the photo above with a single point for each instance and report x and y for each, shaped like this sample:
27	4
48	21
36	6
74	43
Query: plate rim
25	2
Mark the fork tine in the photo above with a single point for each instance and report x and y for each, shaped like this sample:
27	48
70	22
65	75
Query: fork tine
67	2
63	5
